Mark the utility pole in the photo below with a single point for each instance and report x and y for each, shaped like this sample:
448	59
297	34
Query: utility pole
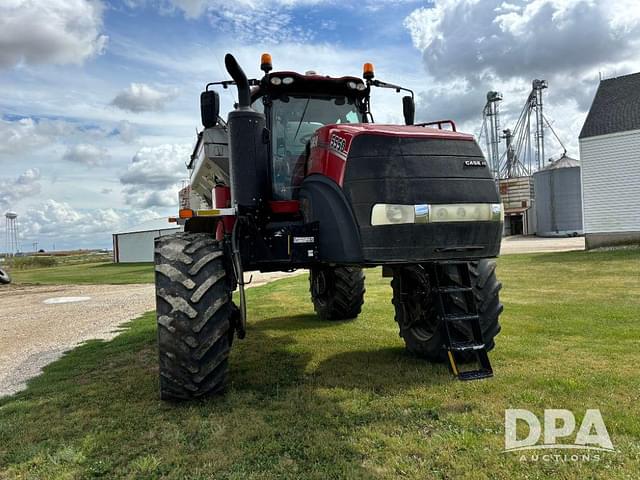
536	103
510	167
492	114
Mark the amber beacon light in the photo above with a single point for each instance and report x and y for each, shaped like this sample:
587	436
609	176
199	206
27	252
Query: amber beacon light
367	71
265	63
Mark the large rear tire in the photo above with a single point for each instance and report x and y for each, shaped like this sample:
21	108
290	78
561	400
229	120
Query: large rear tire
337	292
415	304
195	315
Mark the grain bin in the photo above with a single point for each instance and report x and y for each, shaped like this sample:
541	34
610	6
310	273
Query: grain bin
559	198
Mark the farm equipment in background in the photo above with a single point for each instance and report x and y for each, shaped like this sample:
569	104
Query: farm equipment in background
4	277
299	176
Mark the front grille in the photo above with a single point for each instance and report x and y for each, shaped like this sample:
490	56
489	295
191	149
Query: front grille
411	171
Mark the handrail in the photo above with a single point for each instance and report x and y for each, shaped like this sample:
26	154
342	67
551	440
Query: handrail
439	123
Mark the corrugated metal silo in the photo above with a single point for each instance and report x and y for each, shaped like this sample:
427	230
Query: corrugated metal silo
558	198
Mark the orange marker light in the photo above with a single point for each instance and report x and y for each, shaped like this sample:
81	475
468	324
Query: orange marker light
185	213
265	63
367	71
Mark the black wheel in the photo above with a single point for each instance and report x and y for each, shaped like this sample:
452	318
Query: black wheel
337	292
4	277
415	305
195	315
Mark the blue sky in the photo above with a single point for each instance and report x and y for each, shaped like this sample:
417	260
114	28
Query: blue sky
99	98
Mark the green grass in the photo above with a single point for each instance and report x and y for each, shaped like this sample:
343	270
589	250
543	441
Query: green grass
97	273
310	399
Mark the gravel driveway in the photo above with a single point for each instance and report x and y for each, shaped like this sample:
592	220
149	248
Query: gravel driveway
38	323
533	244
34	333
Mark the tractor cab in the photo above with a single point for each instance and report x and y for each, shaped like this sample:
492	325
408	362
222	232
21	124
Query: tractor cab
295	107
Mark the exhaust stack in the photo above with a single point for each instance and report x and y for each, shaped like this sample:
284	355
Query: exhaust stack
248	146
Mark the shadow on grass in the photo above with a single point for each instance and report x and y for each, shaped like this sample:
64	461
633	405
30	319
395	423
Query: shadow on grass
298	322
381	370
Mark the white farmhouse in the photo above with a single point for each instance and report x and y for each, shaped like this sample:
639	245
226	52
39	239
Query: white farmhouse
610	155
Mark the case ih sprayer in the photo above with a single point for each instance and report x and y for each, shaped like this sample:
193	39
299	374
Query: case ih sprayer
299	176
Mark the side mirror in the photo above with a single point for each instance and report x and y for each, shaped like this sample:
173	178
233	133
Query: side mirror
409	110
209	108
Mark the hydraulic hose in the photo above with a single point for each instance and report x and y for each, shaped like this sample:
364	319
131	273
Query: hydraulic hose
239	272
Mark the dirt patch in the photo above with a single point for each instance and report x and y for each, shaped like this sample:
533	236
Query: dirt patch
533	244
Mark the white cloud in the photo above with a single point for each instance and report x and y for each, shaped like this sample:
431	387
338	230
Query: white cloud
68	227
15	189
472	39
140	97
126	131
55	31
86	154
155	175
195	8
470	47
26	134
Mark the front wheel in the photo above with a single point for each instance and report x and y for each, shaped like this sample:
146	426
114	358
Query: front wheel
195	315
337	292
415	302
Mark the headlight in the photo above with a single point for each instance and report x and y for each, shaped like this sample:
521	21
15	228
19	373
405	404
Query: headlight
389	214
287	80
385	214
276	80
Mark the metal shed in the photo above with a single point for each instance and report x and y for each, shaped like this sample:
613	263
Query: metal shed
559	198
137	243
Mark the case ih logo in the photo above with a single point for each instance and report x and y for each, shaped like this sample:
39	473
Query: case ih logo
475	163
592	434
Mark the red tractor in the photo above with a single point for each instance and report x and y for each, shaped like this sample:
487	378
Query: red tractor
300	176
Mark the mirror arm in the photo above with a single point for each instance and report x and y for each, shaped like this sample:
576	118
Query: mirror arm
397	88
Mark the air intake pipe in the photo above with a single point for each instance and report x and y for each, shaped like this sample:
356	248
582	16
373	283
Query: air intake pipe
248	146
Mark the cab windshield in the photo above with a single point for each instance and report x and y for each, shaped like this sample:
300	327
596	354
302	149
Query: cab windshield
294	119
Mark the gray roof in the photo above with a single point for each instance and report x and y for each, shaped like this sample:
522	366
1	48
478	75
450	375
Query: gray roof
615	108
563	162
152	225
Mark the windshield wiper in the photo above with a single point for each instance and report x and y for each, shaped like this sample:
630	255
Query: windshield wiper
304	112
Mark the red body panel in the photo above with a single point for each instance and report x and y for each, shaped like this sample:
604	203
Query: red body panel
222	199
330	144
285	206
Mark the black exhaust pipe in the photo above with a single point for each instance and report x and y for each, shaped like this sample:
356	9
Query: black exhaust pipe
238	75
248	146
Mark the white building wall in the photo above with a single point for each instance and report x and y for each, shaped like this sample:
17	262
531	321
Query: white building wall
137	246
611	182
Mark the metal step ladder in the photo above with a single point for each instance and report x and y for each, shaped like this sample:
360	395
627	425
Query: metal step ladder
446	290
